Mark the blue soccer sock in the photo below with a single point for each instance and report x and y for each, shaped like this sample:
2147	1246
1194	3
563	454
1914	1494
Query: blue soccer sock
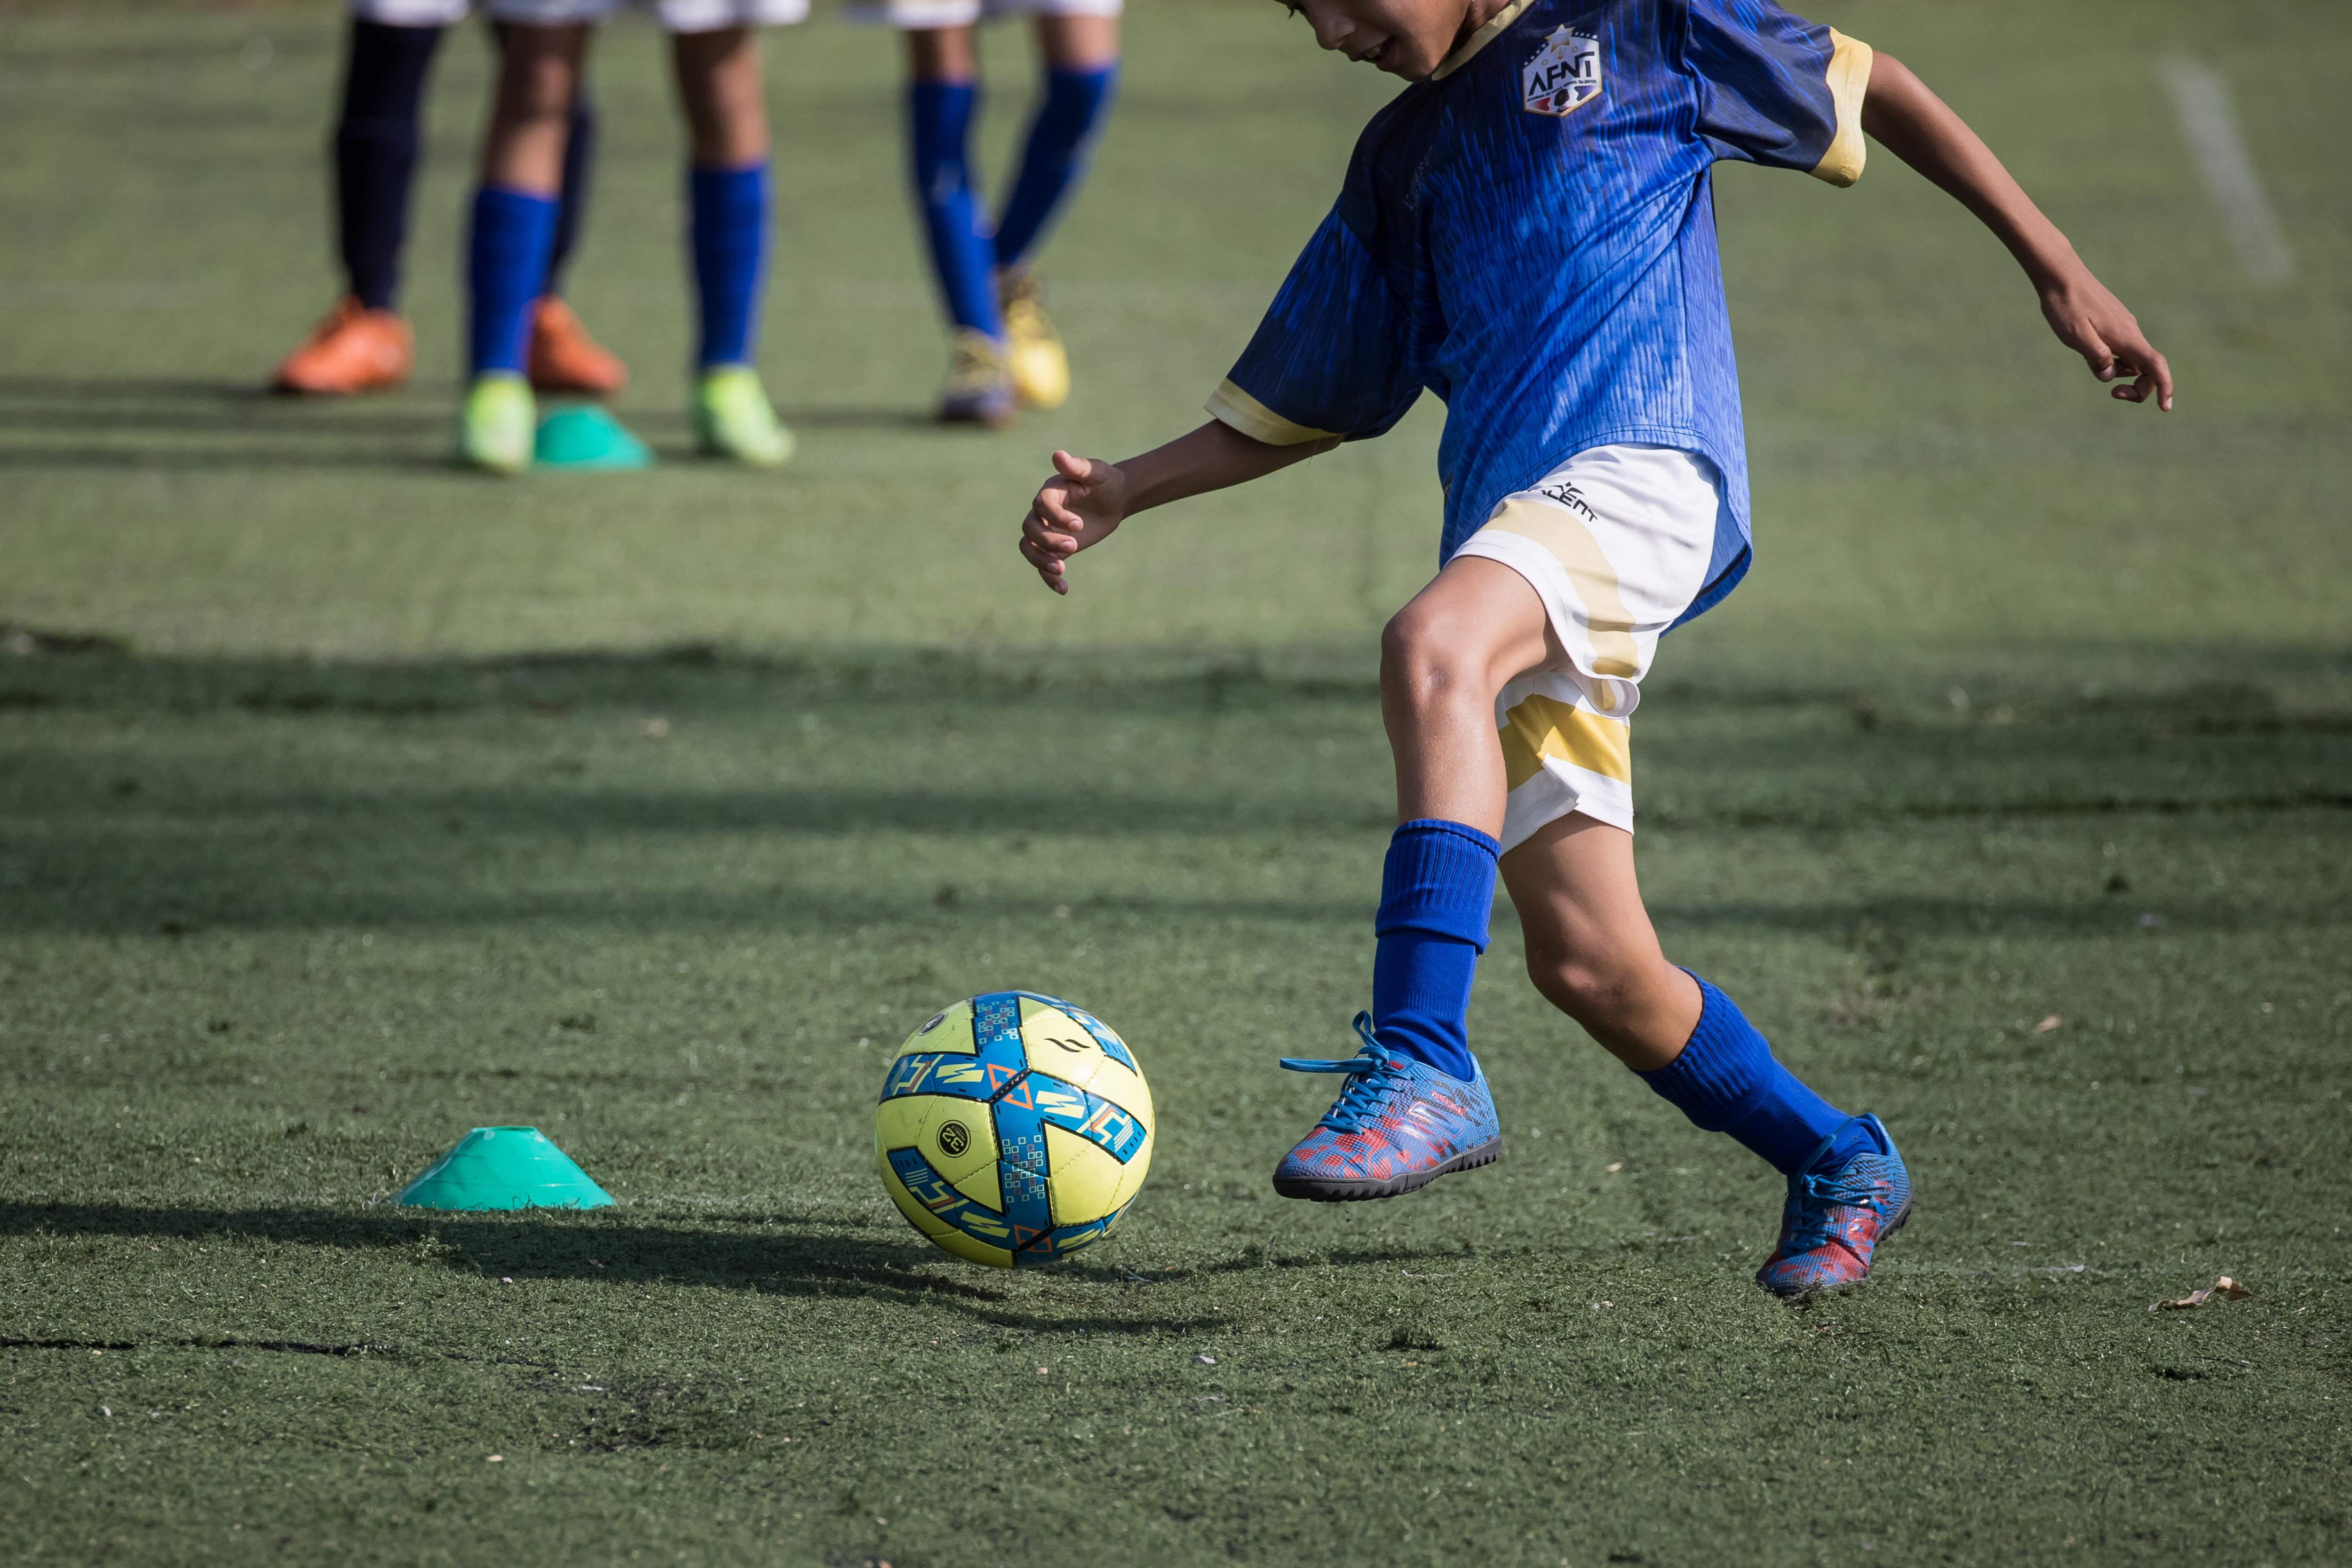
1437	889
939	133
1060	138
506	267
1728	1080
571	206
730	253
375	152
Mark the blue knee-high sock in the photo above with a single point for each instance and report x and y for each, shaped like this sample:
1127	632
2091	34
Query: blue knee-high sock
506	265
1436	890
571	207
375	152
1728	1080
938	116
1060	139
730	255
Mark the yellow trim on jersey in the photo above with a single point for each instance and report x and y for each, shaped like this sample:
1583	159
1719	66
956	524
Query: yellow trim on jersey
1849	78
1541	728
1563	535
1496	27
1229	405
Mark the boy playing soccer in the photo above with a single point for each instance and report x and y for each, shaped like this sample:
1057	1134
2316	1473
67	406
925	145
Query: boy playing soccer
1527	231
1005	353
363	345
716	58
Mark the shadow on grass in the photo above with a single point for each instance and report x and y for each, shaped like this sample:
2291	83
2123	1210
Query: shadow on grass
898	417
771	1256
460	793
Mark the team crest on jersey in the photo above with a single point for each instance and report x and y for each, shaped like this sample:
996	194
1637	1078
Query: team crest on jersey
1564	76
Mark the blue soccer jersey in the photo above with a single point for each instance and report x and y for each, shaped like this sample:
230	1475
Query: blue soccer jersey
1529	235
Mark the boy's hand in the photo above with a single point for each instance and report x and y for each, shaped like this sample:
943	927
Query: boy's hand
1899	111
1079	506
1087	498
2093	324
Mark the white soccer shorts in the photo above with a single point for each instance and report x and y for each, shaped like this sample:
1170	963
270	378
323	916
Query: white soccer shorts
919	15
674	15
1616	543
412	13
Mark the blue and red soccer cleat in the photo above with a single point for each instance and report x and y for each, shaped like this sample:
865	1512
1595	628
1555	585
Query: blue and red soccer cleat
1397	1126
1836	1219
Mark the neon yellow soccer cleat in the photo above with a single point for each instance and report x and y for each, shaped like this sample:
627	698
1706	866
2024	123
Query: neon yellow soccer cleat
734	419
496	425
1032	349
979	389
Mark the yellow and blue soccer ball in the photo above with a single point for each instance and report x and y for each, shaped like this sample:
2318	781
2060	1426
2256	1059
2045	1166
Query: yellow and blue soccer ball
1014	1129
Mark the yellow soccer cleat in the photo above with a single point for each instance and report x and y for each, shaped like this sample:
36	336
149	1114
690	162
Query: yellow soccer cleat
979	390
1032	349
498	424
734	419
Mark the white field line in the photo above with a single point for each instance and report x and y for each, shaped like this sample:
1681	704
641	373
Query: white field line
2211	128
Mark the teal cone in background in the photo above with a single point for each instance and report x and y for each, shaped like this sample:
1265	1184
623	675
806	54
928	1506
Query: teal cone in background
504	1168
586	437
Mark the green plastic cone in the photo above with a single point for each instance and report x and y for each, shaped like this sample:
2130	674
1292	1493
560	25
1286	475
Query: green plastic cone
504	1168
586	437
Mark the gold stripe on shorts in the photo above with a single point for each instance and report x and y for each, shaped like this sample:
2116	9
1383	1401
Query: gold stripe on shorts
1564	536
1541	728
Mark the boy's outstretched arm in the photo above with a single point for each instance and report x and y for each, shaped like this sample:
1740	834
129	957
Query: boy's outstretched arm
1919	127
1087	497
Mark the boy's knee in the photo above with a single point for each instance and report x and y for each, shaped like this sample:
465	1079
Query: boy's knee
1423	659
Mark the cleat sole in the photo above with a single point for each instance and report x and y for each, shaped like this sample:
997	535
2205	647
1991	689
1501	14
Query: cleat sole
1317	1191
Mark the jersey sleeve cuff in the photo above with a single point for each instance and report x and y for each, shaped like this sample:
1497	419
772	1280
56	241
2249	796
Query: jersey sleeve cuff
1229	405
1849	79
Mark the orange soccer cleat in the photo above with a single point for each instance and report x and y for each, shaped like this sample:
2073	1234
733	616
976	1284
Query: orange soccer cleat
564	358
352	349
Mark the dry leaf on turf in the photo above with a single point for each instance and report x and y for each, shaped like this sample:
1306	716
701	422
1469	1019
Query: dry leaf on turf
2229	1290
2048	1023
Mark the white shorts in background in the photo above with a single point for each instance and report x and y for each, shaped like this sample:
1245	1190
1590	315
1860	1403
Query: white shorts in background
412	13
919	15
674	15
1616	542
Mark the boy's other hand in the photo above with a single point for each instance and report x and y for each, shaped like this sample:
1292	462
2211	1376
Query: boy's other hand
1079	506
2093	324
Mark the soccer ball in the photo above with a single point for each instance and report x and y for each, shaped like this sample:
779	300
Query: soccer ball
1013	1128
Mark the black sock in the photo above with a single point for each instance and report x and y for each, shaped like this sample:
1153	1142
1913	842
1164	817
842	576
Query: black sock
571	210
375	152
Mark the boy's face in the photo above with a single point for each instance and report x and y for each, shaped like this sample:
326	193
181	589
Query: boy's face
1404	37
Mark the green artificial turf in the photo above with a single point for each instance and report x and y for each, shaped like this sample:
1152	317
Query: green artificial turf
347	803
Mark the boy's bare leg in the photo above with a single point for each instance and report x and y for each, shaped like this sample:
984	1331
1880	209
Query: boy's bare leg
530	119
1078	43
719	88
941	54
1591	948
1443	657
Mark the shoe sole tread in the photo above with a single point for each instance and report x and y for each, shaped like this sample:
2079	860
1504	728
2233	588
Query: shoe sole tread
1318	1191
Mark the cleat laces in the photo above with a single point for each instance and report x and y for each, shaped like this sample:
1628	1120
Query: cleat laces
1815	1198
1372	1075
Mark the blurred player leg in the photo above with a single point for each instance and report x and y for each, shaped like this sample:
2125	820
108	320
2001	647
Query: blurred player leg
720	90
513	235
563	357
942	98
1079	42
363	344
1603	555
